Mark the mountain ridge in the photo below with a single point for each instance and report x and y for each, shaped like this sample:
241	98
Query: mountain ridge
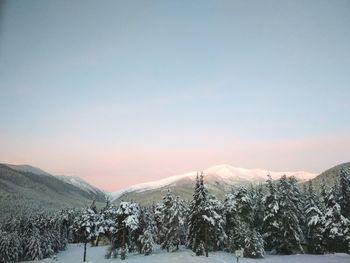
218	178
22	191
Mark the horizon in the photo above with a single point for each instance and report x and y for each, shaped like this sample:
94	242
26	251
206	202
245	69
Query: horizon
126	92
181	174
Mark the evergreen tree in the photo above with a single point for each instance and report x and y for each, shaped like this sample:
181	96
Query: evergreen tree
144	221
32	246
336	226
244	204
184	215
231	218
101	224
202	219
213	215
84	227
108	229
271	225
147	241
194	223
324	193
253	245
127	221
315	224
290	234
171	219
10	247
244	218
158	217
344	200
258	208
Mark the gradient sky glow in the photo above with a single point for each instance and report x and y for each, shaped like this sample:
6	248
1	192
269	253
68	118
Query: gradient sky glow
123	92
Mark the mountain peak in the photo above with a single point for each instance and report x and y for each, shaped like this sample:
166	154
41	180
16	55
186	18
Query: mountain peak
223	174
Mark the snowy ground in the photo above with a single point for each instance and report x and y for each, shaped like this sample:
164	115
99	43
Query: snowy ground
74	254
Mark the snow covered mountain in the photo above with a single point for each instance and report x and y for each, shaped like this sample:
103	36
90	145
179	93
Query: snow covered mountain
72	180
26	168
80	183
219	179
26	187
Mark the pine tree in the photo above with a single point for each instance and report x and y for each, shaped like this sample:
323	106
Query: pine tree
323	193
10	247
216	230
231	218
194	223
158	217
184	215
336	226
290	236
315	224
345	193
127	221
171	222
32	249
244	218
253	245
144	221
244	204
258	208
101	222
108	228
271	225
84	226
202	219
147	241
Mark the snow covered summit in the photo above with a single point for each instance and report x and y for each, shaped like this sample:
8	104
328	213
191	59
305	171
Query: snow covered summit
218	178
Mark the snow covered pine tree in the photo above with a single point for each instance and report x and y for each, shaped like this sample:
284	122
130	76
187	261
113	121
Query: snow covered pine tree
84	226
290	233
147	241
170	222
315	224
127	221
254	245
198	227
203	219
336	226
271	223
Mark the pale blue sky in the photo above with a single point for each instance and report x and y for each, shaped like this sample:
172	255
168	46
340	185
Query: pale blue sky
82	80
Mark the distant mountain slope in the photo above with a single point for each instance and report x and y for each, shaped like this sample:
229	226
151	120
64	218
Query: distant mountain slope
26	168
22	190
219	179
80	183
330	176
28	186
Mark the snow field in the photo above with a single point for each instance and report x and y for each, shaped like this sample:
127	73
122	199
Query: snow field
74	254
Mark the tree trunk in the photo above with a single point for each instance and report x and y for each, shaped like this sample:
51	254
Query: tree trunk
67	233
97	240
84	258
123	251
206	240
123	241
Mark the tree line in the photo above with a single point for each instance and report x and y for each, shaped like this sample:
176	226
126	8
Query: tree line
280	216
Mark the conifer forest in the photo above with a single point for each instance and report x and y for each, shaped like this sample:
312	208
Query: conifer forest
277	217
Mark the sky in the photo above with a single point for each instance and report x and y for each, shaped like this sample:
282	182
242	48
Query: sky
124	92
